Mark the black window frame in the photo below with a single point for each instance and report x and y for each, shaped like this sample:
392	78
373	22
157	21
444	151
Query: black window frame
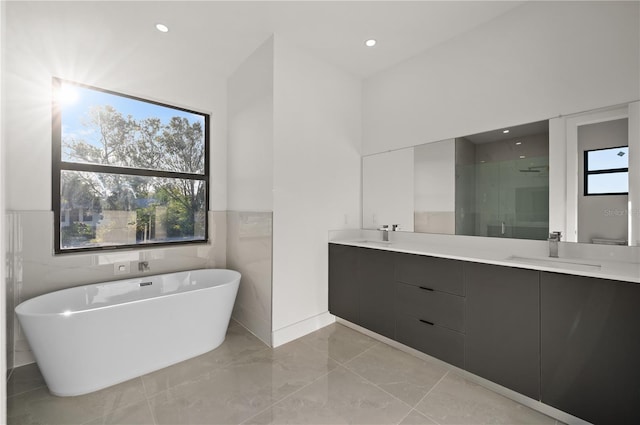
588	173
58	166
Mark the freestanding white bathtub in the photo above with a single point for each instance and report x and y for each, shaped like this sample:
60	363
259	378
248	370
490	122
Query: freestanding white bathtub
90	337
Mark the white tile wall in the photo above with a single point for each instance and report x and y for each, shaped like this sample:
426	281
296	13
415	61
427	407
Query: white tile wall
249	251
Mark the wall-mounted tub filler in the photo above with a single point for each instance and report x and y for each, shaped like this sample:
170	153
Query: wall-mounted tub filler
143	266
554	238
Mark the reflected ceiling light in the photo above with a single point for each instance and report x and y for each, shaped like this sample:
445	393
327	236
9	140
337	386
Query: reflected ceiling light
522	156
518	143
370	43
505	131
162	28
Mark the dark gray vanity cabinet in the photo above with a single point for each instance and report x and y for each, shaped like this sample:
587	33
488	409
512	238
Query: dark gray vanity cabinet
429	305
343	282
440	274
572	342
503	326
361	287
590	335
377	291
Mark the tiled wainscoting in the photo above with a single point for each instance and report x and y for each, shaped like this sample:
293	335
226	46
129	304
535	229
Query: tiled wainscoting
249	251
335	375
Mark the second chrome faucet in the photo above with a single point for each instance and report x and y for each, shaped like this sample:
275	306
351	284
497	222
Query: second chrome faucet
554	238
386	229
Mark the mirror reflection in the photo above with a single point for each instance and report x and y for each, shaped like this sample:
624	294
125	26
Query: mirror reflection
498	183
489	184
603	192
502	183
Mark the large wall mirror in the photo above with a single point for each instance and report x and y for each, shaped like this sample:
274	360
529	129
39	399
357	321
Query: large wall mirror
499	183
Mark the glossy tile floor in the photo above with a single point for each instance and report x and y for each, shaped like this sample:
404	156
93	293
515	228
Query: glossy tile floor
332	376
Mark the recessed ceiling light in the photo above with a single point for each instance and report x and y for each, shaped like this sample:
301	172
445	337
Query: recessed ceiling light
370	43
505	131
522	157
162	28
518	143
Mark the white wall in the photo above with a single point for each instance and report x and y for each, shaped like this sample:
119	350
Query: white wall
435	176
388	189
250	148
250	192
317	128
537	61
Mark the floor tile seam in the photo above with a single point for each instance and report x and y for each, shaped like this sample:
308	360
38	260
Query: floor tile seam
291	395
446	370
404	417
341	363
422	414
92	419
205	375
380	388
121	408
316	349
146	397
236	359
153	415
26	391
376	343
427	394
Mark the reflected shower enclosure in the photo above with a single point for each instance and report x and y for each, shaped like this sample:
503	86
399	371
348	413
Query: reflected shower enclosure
502	183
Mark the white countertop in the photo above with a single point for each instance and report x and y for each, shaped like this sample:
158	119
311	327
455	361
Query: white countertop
511	253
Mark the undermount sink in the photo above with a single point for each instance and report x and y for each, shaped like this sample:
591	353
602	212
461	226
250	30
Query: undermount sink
367	241
552	262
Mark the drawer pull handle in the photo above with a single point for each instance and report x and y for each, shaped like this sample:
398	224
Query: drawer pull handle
425	288
427	322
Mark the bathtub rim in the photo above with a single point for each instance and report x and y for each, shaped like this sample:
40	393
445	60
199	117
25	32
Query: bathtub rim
236	277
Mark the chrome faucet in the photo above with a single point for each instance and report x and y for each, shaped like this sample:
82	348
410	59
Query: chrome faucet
386	229
385	232
554	238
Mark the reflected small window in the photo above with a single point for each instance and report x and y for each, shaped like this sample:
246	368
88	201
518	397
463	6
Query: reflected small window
606	171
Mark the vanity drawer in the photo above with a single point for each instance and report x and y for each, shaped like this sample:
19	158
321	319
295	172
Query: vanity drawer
434	306
434	340
441	274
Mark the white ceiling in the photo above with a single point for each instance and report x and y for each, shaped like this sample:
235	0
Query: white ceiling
219	35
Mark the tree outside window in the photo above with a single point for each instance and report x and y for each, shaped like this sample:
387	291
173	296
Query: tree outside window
127	171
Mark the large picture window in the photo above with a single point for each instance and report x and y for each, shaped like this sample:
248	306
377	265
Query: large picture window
126	171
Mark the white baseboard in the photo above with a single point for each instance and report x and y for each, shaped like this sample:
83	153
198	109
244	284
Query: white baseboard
301	328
